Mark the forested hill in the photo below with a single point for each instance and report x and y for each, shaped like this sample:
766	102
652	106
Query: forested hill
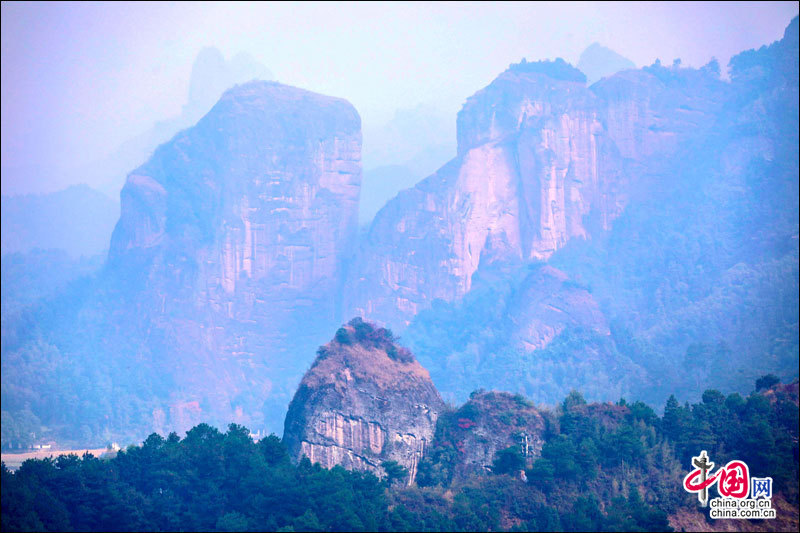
604	467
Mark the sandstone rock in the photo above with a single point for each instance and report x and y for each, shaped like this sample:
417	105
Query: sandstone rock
546	304
363	401
533	163
542	159
232	233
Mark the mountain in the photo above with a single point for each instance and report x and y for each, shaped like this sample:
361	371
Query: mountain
380	185
599	62
78	220
541	160
211	76
364	402
236	230
421	138
585	467
664	197
479	433
635	238
531	330
230	238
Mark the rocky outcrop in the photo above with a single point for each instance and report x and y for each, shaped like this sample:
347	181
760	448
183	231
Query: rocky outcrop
493	421
232	233
468	439
364	401
542	159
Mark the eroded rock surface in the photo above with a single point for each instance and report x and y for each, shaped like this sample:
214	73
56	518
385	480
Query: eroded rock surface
231	234
542	160
364	401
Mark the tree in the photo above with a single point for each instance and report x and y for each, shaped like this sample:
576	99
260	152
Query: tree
308	522
508	461
233	522
573	399
767	382
342	336
394	472
273	450
712	67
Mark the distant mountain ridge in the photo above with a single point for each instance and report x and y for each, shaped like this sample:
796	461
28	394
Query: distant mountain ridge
78	220
599	62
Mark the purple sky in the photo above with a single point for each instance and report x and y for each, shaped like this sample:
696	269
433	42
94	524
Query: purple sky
80	79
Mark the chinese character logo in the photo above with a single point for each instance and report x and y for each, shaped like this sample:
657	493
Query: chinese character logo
732	480
761	487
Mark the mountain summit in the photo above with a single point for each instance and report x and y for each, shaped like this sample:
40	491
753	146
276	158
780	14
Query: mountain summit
598	62
229	237
363	402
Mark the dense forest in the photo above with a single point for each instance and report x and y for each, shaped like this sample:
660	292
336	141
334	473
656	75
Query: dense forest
605	467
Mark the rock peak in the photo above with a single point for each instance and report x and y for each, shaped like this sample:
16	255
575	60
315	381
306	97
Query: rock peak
598	61
364	401
368	353
237	228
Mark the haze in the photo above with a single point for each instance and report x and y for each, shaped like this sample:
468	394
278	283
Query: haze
80	79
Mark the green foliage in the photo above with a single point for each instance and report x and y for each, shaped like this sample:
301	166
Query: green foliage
508	461
367	334
207	481
395	472
343	336
558	69
573	400
614	467
602	467
767	382
273	450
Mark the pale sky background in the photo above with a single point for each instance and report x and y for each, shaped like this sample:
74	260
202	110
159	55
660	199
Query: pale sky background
79	79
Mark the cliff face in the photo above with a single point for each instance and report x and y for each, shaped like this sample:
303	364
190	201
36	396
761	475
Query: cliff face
542	159
364	401
232	231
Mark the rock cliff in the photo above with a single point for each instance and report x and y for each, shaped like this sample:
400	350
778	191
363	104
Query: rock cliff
542	160
364	401
231	233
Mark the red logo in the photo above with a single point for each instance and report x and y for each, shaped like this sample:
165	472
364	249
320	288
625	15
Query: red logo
732	480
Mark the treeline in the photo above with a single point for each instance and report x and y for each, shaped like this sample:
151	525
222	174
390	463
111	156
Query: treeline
604	467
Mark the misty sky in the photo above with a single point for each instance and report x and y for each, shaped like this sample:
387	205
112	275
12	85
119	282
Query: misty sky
80	79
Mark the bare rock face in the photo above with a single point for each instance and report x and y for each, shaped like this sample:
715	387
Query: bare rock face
534	162
542	159
364	401
231	233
